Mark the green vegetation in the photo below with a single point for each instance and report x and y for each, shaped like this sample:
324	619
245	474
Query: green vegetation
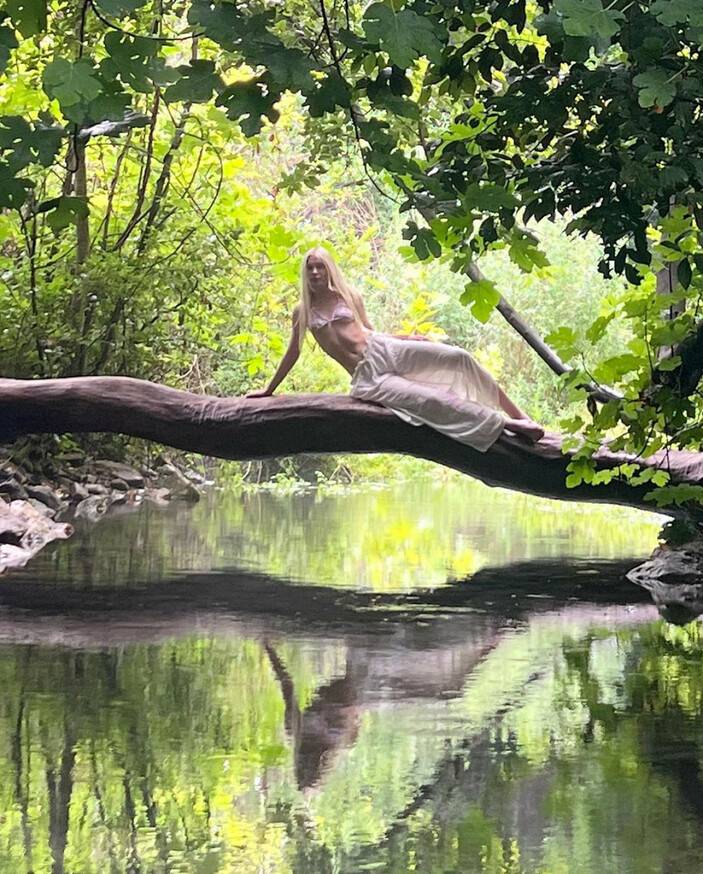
164	164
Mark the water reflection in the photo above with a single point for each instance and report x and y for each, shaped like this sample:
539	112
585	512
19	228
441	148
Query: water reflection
418	534
531	716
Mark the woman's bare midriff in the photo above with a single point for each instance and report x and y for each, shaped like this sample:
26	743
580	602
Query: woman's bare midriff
345	341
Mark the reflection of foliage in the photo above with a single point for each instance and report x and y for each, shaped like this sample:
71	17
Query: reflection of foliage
567	750
417	534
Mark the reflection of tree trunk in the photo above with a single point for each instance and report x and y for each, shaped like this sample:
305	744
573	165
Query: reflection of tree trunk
97	792
680	760
22	785
60	788
133	864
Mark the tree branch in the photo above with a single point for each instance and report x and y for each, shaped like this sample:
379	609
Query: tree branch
247	428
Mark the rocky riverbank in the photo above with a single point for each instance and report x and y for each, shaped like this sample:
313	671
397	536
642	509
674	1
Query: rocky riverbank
39	499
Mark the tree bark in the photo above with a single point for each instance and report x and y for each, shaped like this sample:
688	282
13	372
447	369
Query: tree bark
248	428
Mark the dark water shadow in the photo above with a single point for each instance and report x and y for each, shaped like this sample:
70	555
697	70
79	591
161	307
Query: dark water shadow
260	604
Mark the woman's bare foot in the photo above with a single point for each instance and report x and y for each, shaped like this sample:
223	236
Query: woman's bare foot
525	428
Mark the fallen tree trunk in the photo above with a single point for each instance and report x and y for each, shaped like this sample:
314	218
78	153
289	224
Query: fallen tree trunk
248	428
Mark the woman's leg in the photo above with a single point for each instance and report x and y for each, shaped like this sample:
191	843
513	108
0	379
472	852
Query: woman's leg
463	420
510	408
519	422
446	367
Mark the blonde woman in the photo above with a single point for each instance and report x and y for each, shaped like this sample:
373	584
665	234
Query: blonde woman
422	382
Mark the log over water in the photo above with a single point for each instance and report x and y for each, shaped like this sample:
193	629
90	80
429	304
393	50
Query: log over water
240	429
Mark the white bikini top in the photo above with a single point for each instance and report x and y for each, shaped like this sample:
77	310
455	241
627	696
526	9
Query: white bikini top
341	311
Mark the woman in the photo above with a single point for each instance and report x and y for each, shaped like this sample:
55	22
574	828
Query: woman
424	383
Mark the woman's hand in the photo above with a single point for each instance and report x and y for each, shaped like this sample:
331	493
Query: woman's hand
259	393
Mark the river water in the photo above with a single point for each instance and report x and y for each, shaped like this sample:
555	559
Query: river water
430	677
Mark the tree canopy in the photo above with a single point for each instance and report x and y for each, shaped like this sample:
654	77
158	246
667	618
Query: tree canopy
475	117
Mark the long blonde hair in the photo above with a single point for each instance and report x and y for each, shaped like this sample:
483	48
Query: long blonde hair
337	283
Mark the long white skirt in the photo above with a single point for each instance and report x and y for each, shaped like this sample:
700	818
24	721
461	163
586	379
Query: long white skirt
426	383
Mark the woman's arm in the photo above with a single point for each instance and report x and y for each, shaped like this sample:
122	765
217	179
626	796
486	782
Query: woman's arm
291	356
411	337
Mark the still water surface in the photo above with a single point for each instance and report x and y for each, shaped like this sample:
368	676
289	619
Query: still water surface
433	677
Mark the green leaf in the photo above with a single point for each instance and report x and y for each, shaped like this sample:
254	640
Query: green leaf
134	61
483	297
672	12
655	88
67	211
669	363
28	15
23	144
678	494
405	35
598	328
289	68
684	274
197	83
524	252
8	42
581	470
589	18
613	369
119	8
565	341
221	22
488	197
247	102
333	92
13	191
70	83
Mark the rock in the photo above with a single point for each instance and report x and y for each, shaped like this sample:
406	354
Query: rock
117	470
78	492
671	566
96	489
11	527
93	508
72	459
119	485
195	477
34	528
673	576
14	490
14	472
180	487
119	497
41	507
161	497
12	556
46	495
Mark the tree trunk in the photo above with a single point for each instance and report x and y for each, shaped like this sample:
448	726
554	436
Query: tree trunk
247	428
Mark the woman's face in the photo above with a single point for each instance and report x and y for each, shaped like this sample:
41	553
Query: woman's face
316	273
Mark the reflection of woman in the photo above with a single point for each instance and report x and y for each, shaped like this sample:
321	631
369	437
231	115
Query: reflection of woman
424	383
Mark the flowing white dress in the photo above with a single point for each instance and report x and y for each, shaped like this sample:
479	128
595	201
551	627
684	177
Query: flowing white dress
427	383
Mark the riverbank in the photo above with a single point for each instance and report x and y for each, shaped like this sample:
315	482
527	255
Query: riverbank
40	498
